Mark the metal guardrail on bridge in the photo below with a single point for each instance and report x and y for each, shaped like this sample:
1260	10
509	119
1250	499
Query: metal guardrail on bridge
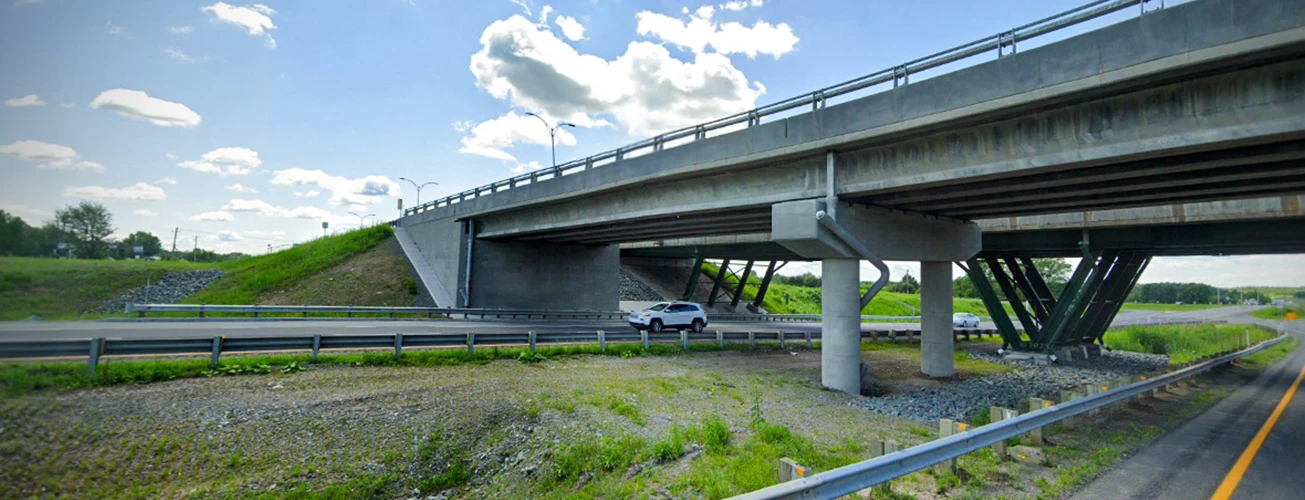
898	75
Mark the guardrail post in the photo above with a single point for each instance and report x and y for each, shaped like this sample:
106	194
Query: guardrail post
97	348
398	345
790	470
752	339
947	428
998	414
684	339
1093	390
720	340
602	341
881	448
643	334
532	341
217	350
317	346
781	340
256	313
1035	404
201	310
1065	397
808	334
471	344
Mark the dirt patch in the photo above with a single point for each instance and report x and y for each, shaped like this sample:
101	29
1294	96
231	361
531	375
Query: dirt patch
376	277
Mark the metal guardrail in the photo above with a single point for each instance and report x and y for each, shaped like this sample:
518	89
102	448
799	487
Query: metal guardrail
94	348
204	310
898	75
862	475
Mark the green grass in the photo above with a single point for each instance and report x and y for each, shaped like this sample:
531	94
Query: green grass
1184	343
1273	312
247	279
64	288
792	299
1269	356
1138	306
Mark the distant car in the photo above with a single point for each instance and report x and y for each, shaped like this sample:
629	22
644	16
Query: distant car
965	320
670	315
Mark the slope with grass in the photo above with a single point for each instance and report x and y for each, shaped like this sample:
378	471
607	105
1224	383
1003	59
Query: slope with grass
282	275
1275	312
64	288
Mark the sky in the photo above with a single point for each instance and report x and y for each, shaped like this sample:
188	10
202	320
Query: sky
244	127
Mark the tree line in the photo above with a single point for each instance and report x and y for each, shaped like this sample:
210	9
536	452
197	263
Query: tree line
82	231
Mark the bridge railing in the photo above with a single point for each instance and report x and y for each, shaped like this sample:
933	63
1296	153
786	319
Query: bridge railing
898	75
95	348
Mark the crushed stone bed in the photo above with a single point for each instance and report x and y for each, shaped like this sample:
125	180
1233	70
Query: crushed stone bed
962	400
171	289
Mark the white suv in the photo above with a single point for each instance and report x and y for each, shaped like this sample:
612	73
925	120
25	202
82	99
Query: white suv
965	320
670	315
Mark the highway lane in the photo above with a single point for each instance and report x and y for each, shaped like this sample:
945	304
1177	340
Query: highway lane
69	330
1193	460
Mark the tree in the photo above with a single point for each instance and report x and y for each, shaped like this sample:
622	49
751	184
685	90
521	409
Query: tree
88	223
908	284
1195	293
14	235
143	239
1300	294
1055	272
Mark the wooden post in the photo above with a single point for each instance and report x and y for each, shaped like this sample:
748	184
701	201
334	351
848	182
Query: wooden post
317	346
532	341
1035	404
998	414
948	428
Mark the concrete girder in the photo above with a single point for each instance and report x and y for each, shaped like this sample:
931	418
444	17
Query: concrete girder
893	235
1226	191
751	225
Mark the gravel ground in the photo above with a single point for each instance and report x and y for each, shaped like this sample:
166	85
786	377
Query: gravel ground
169	290
634	289
961	400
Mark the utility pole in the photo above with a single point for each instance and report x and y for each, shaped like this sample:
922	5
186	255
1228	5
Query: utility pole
174	240
194	256
552	133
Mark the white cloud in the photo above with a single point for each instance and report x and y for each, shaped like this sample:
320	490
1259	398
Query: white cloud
139	192
30	213
169	156
181	30
50	156
705	12
266	209
20	3
67	105
166	180
738	5
543	15
699	32
266	235
522	4
256	19
219	216
145	212
242	189
225	161
306	194
28	100
645	89
526	167
179	55
227	236
571	28
364	190
114	29
491	137
139	105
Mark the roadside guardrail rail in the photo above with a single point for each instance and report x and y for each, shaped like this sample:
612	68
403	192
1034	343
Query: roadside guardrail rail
95	348
862	475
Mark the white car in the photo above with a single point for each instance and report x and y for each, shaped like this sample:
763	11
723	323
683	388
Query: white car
965	320
670	315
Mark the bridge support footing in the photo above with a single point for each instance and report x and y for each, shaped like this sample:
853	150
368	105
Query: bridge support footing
840	344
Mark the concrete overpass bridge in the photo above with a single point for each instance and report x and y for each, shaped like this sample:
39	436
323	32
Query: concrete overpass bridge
1202	102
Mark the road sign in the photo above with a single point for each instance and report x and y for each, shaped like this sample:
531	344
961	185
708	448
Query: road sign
400	203
325	224
138	249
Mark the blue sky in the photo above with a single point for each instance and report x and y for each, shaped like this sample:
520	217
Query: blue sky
247	125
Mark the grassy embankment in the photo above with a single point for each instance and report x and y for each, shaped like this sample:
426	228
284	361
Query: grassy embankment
1273	312
1137	306
61	289
64	288
790	299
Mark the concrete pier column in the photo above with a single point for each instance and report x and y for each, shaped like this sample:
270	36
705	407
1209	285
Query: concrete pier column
840	344
936	319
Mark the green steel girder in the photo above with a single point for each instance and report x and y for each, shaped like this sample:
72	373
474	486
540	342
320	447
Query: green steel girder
720	278
1099	331
1107	300
1011	337
1039	286
1072	313
693	279
1016	304
743	282
765	282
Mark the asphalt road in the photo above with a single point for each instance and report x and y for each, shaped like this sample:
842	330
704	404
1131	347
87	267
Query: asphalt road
71	330
1193	460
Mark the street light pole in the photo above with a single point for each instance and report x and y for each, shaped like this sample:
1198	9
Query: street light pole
418	186
552	133
361	217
